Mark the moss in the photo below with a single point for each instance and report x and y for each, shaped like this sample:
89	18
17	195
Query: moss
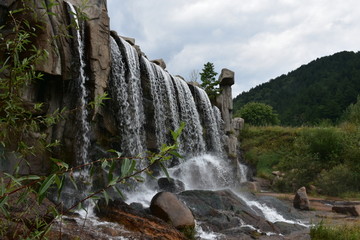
189	232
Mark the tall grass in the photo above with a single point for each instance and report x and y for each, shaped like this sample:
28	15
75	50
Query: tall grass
343	232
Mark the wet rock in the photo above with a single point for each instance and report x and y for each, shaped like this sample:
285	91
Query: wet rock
353	210
301	200
171	185
160	62
168	207
140	224
223	210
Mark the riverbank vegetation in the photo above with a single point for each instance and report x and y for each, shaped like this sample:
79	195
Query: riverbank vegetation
322	232
324	158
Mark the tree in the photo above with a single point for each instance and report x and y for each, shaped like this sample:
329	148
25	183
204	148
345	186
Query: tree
209	82
258	114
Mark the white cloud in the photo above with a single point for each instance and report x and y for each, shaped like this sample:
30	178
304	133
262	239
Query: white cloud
257	39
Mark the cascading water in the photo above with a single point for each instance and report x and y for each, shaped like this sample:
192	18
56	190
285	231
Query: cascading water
210	122
126	92
166	113
83	133
191	141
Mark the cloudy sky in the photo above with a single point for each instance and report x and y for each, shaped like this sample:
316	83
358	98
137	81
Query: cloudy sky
257	39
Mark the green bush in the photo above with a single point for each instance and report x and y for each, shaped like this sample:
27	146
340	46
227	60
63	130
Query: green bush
326	143
352	113
336	181
258	114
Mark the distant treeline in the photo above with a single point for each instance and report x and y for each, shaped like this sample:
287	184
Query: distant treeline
320	90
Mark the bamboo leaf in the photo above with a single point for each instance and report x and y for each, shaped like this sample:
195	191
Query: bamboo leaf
46	184
119	192
163	168
106	196
104	164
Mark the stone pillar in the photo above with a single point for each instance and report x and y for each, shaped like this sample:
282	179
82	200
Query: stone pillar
225	103
224	100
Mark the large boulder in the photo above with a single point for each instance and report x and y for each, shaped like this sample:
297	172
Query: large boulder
168	207
301	200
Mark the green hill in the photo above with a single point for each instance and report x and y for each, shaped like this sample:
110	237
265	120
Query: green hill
316	91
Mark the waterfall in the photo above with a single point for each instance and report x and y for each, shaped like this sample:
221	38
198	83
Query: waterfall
243	171
191	141
84	127
126	92
166	113
211	122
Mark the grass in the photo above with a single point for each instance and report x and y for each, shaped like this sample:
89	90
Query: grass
343	232
325	157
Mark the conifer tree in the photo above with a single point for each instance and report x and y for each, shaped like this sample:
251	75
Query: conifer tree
209	82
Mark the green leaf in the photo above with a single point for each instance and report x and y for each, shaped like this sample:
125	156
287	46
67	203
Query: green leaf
113	181
106	196
119	192
3	201
72	180
175	134
125	167
46	184
104	164
118	154
163	168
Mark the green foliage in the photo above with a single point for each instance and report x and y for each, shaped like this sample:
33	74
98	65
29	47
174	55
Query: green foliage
319	90
326	144
343	232
327	157
258	114
209	82
352	113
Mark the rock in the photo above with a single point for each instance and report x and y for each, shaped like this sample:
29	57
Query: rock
221	211
171	185
160	62
353	210
237	124
301	200
227	77
7	3
168	207
265	184
251	186
140	224
277	173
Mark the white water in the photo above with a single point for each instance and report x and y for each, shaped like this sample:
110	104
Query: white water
210	122
269	213
243	169
203	172
191	140
166	112
82	79
127	94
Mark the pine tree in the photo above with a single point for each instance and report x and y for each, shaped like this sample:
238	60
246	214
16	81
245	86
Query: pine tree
209	82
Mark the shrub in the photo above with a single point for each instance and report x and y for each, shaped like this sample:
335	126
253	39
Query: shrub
258	114
336	181
326	143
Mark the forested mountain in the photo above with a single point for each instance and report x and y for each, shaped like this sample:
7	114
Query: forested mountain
316	91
